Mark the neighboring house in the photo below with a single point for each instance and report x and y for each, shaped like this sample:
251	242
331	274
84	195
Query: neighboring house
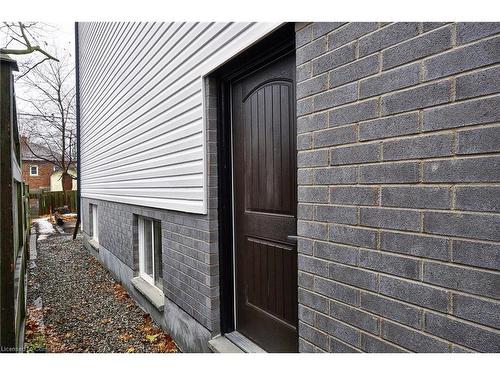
297	187
38	173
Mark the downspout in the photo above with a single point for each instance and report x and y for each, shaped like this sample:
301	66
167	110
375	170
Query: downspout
78	162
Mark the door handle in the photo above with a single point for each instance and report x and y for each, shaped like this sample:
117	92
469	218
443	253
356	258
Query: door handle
292	238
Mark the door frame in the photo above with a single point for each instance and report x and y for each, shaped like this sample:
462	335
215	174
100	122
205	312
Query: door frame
279	43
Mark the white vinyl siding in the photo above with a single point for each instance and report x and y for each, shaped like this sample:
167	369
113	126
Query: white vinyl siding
141	108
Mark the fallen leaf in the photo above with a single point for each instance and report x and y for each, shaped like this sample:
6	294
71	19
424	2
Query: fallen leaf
125	337
151	338
131	349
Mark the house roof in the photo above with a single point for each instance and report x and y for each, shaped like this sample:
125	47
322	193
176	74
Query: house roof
39	150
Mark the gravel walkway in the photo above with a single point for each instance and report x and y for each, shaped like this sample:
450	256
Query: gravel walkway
84	309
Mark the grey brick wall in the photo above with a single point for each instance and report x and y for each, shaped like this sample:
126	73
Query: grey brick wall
189	241
399	186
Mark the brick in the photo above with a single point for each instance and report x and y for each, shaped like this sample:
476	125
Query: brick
475	198
415	245
335	136
362	153
304	72
334	59
336	175
389	173
390	218
471	31
479	226
316	194
394	310
462	333
474	112
336	97
354	317
392	264
307	315
475	141
419	147
336	291
311	50
322	28
303	36
483	169
337	329
477	310
417	294
461	59
312	86
305	211
304	141
415	98
307	347
313	300
337	346
312	230
458	349
313	335
354	195
372	344
427	26
416	197
349	33
314	122
386	127
304	106
387	36
351	113
477	83
417	48
392	80
305	176
353	236
484	283
413	340
312	158
354	276
305	280
301	25
336	253
477	254
337	214
354	71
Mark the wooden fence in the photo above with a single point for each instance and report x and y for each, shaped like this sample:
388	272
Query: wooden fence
50	200
14	218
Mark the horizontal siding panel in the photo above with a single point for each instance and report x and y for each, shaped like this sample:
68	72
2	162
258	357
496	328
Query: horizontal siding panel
141	113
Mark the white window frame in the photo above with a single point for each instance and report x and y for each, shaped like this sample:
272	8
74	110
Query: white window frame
95	223
34	174
142	222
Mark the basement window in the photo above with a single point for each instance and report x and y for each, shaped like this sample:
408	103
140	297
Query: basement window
94	223
33	170
150	264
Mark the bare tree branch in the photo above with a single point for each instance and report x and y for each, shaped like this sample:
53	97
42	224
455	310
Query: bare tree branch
50	122
28	47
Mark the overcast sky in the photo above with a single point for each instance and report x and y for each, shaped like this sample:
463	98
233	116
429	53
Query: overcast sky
60	41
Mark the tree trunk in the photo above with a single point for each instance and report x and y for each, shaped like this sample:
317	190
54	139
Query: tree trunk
67	181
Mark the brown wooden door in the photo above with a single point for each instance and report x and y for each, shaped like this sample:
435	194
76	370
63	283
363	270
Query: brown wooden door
265	205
